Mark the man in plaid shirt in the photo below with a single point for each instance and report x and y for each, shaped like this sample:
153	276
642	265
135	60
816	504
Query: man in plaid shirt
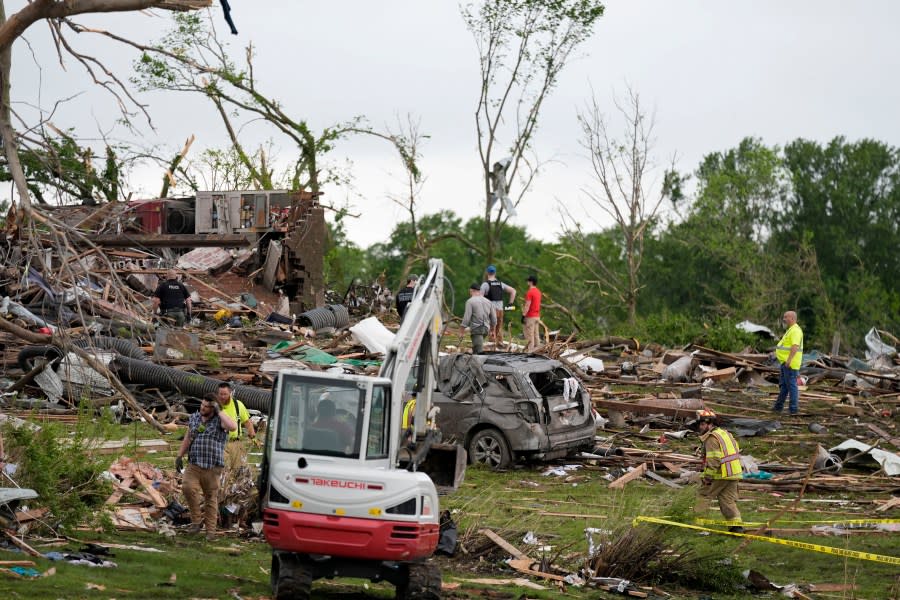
204	443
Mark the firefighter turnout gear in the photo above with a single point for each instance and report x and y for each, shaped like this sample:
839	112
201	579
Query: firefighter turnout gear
722	456
721	471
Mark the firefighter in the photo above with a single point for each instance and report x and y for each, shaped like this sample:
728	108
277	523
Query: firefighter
721	468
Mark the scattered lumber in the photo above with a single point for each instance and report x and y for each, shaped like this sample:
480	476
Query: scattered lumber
636	473
515	552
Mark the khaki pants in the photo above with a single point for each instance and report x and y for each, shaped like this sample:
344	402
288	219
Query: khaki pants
532	339
199	482
235	454
726	492
496	331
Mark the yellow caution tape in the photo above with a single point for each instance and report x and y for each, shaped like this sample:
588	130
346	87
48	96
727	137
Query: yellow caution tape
891	560
805	522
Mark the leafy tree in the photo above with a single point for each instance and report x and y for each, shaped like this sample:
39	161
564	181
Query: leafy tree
845	206
721	245
59	166
345	262
523	46
55	14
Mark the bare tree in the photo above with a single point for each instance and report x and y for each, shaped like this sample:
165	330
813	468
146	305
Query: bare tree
191	58
621	168
523	46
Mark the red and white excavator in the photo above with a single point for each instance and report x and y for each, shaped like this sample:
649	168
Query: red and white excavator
342	489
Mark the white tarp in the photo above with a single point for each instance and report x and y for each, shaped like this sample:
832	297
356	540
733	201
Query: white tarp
889	461
588	363
877	348
754	328
372	334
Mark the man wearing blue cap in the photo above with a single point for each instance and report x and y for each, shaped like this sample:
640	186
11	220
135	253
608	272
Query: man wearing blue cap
493	289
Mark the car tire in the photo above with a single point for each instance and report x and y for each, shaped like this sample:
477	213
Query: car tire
490	448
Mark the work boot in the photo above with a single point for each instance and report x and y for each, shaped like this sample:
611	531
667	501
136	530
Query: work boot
736	529
210	536
193	528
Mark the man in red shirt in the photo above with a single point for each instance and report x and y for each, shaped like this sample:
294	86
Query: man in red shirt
531	313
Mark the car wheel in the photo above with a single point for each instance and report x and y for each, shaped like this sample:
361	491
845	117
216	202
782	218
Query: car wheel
489	447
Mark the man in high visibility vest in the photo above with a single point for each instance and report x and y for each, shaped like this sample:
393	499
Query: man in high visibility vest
235	451
789	353
721	468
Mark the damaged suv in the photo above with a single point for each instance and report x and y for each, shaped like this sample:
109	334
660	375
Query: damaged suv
502	407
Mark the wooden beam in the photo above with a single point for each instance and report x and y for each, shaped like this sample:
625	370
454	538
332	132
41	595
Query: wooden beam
22	545
884	435
515	552
121	488
646	409
524	566
633	474
158	500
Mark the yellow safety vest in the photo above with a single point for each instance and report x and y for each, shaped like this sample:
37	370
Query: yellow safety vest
792	337
729	455
409	412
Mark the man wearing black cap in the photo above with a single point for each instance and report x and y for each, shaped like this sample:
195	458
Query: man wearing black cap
479	317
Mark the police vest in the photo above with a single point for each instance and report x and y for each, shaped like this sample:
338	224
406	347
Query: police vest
728	453
495	290
172	295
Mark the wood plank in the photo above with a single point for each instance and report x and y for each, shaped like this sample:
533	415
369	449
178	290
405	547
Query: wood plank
833	587
672	467
646	409
139	447
17	563
884	435
524	566
31	515
121	488
22	545
515	552
720	374
544	513
158	500
634	474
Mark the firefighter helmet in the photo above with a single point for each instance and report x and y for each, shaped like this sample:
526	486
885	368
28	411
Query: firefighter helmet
707	415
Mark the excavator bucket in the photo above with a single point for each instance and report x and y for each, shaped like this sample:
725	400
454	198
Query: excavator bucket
446	465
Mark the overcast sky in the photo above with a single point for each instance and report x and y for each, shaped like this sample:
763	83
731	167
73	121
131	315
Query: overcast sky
712	72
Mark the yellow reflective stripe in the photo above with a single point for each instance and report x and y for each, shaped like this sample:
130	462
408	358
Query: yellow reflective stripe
891	560
730	454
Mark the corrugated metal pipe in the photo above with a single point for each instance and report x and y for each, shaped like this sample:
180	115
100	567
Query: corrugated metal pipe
131	370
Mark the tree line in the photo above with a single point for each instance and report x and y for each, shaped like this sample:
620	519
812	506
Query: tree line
808	226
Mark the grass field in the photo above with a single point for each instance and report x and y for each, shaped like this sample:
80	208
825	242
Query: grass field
556	510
